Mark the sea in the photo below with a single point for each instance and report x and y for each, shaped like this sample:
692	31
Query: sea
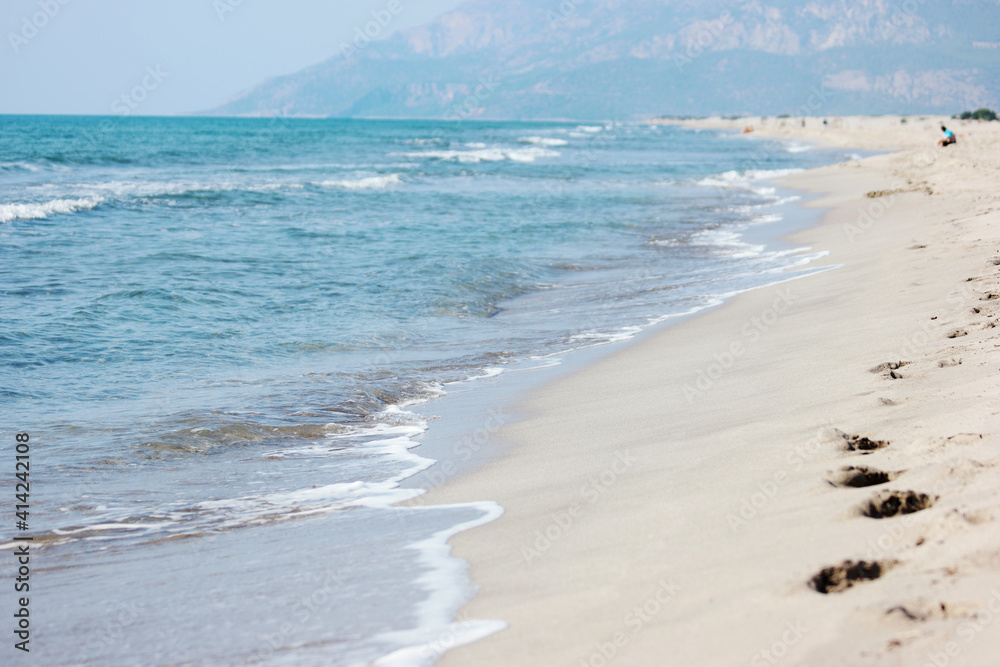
225	338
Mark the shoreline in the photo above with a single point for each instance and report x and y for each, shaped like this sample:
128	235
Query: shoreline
630	487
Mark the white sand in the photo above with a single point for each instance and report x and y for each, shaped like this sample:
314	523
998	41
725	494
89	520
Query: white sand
655	520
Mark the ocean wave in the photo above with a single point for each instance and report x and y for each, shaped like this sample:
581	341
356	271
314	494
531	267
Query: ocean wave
19	166
317	166
727	243
390	440
369	183
126	190
10	212
590	129
742	179
488	155
749	209
593	338
543	141
228	513
276	186
797	147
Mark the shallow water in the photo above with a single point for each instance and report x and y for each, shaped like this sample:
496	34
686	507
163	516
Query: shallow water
220	333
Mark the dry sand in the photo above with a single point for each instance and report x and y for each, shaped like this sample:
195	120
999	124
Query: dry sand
670	504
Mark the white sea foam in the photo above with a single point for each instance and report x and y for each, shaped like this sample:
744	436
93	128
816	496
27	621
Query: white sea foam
391	440
114	526
369	183
19	166
302	167
797	147
122	190
590	129
803	259
437	633
312	500
591	338
766	219
728	243
428	652
743	179
277	186
543	141
488	372
475	156
10	212
749	209
758	174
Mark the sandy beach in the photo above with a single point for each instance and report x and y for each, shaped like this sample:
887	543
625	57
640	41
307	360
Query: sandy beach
807	475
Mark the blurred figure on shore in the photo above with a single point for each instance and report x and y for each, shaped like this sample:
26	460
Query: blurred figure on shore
949	137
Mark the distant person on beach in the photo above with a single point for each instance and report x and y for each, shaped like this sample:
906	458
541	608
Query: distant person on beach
949	137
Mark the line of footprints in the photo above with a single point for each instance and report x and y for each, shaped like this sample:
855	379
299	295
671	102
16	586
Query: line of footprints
882	505
887	503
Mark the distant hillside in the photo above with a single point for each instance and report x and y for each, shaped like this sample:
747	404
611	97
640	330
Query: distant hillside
618	59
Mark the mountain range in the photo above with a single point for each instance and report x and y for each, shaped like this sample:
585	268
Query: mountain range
628	59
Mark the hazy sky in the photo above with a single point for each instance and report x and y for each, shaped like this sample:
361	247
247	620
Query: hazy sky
81	56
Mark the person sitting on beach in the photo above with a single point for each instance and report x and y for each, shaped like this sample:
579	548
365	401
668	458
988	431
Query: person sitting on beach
949	137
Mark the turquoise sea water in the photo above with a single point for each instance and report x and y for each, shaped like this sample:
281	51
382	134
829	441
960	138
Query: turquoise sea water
219	334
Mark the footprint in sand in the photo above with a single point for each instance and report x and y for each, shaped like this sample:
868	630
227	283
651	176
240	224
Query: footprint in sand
860	477
857	443
837	578
890	503
957	333
889	366
892	367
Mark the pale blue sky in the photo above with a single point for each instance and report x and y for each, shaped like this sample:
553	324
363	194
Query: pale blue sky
91	52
